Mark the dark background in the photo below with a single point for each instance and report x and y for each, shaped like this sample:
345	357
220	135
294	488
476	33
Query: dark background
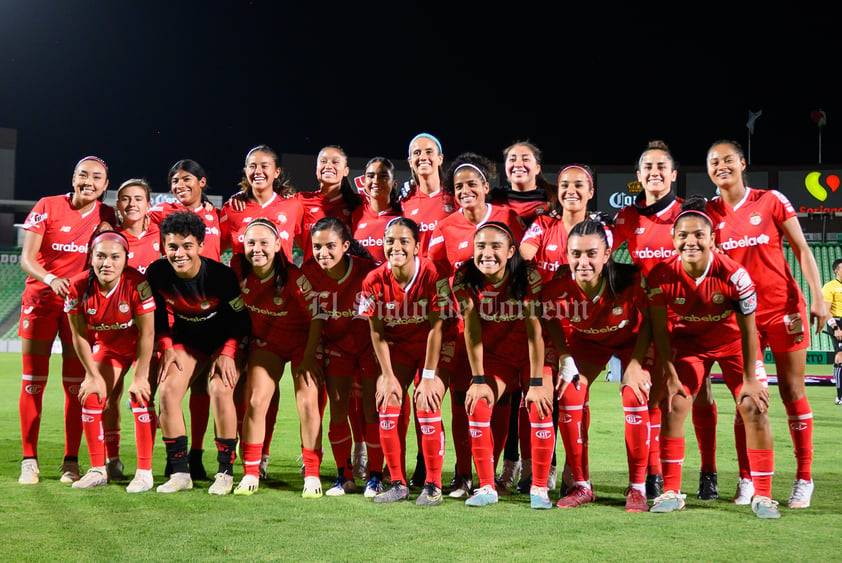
143	84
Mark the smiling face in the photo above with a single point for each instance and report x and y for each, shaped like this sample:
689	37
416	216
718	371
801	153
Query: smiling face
183	254
261	245
424	157
187	188
90	179
261	171
522	168
693	240
587	256
329	249
574	190
469	188
379	181
133	204
725	166
656	174
108	259
399	245
331	167
492	251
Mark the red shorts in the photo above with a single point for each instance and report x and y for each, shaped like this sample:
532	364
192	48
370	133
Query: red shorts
338	364
786	330
512	374
43	321
693	364
104	355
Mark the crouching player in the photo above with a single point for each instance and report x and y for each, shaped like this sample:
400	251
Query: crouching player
200	325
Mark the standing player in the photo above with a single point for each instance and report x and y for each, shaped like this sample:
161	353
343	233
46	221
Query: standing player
54	249
423	197
713	300
832	293
498	295
596	309
527	188
750	227
380	206
110	309
200	323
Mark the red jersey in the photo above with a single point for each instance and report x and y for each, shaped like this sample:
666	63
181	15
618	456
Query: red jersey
212	244
426	211
604	319
345	329
502	317
405	311
286	213
649	236
528	205
314	207
110	317
453	239
750	233
65	236
369	226
703	308
143	249
548	235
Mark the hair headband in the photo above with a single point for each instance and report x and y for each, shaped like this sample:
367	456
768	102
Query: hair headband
262	222
469	165
576	166
111	236
499	227
95	159
427	135
701	214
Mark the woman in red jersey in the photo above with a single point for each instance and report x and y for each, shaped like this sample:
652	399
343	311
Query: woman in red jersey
286	326
423	198
54	250
337	270
527	188
751	226
111	313
498	295
404	300
713	301
596	308
380	206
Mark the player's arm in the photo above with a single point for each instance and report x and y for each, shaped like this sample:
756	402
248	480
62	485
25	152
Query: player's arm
819	312
389	391
479	389
540	383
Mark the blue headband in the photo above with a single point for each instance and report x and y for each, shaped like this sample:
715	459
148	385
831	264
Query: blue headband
429	136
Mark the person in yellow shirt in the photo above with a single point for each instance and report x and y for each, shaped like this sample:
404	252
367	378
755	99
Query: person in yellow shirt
832	293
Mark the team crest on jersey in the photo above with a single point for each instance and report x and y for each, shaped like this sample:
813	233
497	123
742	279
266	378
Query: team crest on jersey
576	319
26	324
718	298
91	311
617	311
156	246
123	307
679	301
204	305
390	306
640	230
755	219
278	301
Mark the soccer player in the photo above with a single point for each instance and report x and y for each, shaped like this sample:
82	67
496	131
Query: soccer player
713	299
832	294
110	308
404	303
286	326
750	226
200	325
527	188
55	246
596	308
423	198
380	206
337	270
498	295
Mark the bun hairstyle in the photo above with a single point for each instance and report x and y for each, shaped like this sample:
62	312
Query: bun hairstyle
695	204
657	145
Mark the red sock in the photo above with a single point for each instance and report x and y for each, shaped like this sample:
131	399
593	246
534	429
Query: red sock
654	441
542	446
637	436
271	419
199	416
112	443
672	462
500	416
571	409
30	404
91	419
339	436
801	429
252	453
390	442
762	468
144	433
704	423
373	448
312	462
72	375
482	442
461	435
740	444
432	444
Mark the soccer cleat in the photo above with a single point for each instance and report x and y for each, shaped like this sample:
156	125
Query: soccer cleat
29	472
142	482
483	496
312	487
360	460
341	486
669	501
223	483
839	400
654	486
502	490
524	484
114	469
510	474
802	493
177	482
539	498
373	487
636	501
708	486
69	472
397	492
430	495
264	467
197	468
577	496
461	486
745	491
764	507
95	477
247	486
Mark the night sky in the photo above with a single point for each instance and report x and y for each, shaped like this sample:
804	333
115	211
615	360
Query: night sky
143	84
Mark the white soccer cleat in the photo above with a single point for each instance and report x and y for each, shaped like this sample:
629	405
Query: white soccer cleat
29	472
802	493
142	482
223	483
177	482
745	492
69	472
312	488
264	466
248	486
95	477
